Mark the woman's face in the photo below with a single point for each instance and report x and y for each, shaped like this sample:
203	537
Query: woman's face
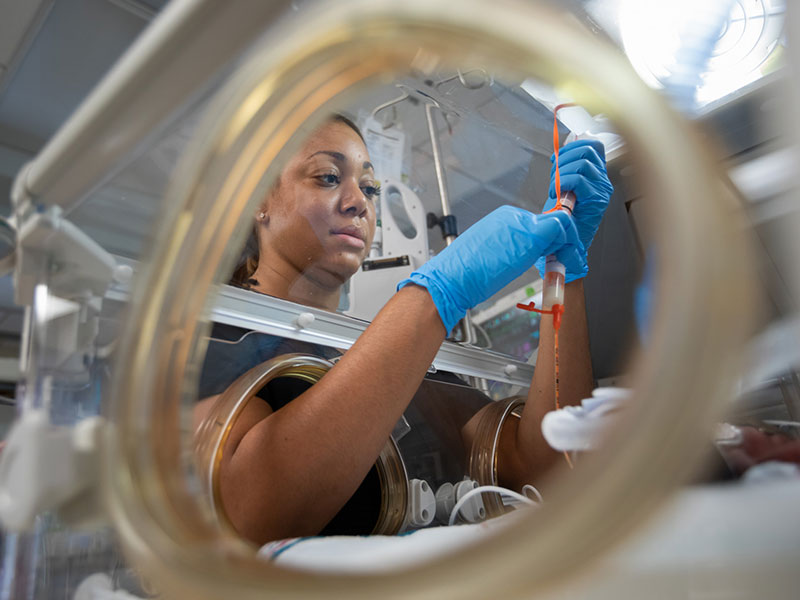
320	218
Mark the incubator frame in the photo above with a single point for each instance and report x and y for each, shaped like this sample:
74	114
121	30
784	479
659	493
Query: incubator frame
327	55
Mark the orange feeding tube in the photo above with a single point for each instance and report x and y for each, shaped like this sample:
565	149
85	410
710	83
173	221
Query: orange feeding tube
555	272
559	200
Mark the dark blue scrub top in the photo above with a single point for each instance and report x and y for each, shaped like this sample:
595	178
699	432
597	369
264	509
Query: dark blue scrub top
225	361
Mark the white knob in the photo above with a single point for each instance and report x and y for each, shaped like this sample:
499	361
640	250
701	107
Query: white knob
510	369
303	320
123	274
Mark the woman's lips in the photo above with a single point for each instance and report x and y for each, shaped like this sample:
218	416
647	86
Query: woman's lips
350	239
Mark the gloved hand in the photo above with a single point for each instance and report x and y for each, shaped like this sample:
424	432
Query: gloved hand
582	164
491	254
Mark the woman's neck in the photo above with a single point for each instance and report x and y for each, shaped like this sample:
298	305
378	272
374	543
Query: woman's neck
281	280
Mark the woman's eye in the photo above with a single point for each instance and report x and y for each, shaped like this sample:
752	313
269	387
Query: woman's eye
329	179
371	191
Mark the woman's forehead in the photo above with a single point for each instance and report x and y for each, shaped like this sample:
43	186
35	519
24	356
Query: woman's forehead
336	137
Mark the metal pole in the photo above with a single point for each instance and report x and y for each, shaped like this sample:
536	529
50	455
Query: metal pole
437	165
469	330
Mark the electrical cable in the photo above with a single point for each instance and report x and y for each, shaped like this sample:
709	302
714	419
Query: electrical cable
497	489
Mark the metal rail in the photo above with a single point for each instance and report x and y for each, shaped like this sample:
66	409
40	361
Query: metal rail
275	316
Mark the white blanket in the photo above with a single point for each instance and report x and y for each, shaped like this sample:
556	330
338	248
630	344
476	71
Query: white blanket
378	553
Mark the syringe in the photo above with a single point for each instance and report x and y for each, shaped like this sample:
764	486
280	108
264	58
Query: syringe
555	272
553	298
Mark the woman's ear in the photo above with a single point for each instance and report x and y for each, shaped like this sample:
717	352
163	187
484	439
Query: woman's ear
262	215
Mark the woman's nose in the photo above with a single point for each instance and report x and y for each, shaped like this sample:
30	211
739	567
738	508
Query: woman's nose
352	199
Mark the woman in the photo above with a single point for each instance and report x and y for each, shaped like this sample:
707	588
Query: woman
287	470
315	228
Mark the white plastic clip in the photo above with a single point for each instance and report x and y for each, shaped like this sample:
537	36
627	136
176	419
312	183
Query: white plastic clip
422	505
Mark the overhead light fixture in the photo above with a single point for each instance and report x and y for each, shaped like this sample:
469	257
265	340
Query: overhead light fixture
655	35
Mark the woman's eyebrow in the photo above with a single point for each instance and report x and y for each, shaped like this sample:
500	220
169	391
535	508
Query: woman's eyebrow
337	155
342	158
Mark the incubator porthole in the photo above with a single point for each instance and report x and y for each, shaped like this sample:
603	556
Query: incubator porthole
377	250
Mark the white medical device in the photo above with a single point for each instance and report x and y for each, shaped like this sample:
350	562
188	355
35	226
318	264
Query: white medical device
400	246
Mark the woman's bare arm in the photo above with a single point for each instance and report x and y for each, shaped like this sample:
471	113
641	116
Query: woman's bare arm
292	471
524	453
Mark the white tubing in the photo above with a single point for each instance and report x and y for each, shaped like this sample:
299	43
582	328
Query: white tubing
491	488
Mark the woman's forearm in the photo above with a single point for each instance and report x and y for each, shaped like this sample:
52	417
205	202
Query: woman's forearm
292	472
525	454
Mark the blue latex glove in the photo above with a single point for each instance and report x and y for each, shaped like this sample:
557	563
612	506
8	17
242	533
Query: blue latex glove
491	254
583	171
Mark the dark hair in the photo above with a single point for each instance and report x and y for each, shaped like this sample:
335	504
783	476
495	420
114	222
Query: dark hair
248	260
247	263
340	118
